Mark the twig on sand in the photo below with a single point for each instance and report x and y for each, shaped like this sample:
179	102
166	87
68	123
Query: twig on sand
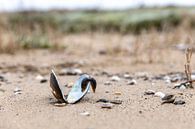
188	70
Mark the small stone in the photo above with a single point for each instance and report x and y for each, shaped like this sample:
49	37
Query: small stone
116	101
167	97
127	76
2	78
107	83
132	82
85	114
159	94
115	78
117	93
59	104
41	79
69	85
102	100
182	87
168	101
179	102
107	105
149	92
106	91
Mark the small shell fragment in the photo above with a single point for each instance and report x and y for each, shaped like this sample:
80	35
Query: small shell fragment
167	97
132	82
116	101
60	104
127	76
160	94
149	92
117	93
107	105
179	102
85	114
41	79
115	78
17	91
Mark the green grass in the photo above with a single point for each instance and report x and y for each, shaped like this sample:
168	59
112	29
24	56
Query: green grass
75	22
29	30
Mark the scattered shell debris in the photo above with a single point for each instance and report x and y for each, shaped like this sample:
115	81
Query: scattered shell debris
78	91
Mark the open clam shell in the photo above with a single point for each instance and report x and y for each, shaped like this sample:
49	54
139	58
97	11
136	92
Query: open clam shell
78	91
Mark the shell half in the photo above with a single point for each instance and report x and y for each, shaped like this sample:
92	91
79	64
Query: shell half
78	91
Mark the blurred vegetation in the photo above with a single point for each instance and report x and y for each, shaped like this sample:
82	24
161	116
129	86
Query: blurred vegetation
103	21
40	29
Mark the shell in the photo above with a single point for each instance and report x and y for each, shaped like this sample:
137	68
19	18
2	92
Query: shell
56	90
78	91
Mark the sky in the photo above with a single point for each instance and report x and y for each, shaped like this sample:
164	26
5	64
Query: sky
16	5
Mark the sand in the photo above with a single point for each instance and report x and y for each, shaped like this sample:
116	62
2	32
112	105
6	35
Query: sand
34	107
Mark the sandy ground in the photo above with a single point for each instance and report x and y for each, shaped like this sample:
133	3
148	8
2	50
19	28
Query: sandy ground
34	107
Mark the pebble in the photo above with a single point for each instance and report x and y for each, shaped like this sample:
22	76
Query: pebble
70	71
149	92
132	82
69	85
107	105
168	97
116	101
160	94
110	101
85	114
117	93
41	79
182	87
179	102
59	104
102	100
115	78
127	76
168	101
2	78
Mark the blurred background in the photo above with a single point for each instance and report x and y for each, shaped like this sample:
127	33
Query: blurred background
125	27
